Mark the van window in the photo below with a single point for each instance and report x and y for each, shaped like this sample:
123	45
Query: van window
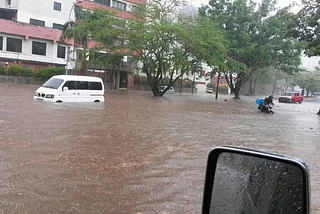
83	85
95	86
53	83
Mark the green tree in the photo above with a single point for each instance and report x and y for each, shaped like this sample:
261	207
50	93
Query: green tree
308	80
103	32
256	38
306	26
72	30
167	45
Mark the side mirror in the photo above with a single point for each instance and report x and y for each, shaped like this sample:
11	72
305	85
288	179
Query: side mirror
246	181
65	89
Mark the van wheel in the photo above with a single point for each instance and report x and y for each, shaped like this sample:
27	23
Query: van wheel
97	101
59	101
300	101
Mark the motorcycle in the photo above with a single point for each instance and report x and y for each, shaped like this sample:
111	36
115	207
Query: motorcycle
264	106
253	182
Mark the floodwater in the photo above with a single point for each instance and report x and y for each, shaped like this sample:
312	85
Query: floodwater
135	153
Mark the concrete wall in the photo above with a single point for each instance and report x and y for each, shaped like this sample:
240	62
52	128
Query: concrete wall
20	80
4	3
177	89
266	89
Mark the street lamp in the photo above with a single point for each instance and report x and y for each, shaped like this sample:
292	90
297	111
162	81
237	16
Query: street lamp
68	51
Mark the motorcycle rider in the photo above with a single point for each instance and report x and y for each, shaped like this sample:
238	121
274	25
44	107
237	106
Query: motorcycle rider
269	100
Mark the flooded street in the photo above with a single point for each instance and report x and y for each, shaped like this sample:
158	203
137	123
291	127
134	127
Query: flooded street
136	153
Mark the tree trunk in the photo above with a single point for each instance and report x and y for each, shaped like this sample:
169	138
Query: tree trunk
181	84
307	93
274	87
113	85
250	87
117	83
254	86
193	81
217	88
237	93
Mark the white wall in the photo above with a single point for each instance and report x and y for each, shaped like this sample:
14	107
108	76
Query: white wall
4	3
43	10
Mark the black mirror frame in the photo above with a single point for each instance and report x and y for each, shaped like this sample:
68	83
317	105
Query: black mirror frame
212	163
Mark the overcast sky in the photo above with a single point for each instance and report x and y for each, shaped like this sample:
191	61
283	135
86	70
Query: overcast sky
281	3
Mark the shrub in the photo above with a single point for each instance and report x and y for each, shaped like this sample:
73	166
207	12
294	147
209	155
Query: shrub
223	86
165	81
187	83
28	72
143	80
210	85
48	72
15	70
3	69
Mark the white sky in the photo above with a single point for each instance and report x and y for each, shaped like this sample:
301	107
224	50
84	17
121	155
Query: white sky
281	3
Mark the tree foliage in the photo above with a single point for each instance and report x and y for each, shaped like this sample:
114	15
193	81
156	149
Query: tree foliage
308	80
93	32
256	37
170	45
306	26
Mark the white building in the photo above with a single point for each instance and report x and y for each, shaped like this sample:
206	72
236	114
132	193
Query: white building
30	29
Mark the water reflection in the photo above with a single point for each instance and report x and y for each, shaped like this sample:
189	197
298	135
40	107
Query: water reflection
246	184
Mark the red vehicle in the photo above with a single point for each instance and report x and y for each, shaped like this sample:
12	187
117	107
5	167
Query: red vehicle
291	97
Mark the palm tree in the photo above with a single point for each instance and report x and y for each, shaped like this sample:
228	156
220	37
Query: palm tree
80	36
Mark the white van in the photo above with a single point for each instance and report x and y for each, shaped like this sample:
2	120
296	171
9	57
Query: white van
69	88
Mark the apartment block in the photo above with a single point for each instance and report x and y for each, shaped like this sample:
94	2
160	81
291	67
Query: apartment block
30	29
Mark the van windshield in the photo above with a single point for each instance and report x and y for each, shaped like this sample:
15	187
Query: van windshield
53	83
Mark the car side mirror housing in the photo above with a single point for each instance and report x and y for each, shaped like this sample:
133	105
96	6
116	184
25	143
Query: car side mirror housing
65	89
247	181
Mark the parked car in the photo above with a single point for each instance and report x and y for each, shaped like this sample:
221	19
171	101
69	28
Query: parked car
162	88
291	97
209	90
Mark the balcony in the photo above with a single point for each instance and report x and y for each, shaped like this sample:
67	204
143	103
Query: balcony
8	13
27	30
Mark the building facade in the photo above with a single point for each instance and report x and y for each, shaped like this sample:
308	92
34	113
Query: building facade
30	29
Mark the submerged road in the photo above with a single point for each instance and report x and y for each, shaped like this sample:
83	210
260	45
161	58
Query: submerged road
136	153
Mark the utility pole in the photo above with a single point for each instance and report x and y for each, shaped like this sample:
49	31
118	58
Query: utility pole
217	88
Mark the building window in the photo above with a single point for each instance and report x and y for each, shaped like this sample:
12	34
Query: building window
135	10
57	6
14	45
37	22
61	52
1	41
39	48
57	26
105	2
119	5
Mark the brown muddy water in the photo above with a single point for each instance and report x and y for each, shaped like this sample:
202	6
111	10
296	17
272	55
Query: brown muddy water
135	153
